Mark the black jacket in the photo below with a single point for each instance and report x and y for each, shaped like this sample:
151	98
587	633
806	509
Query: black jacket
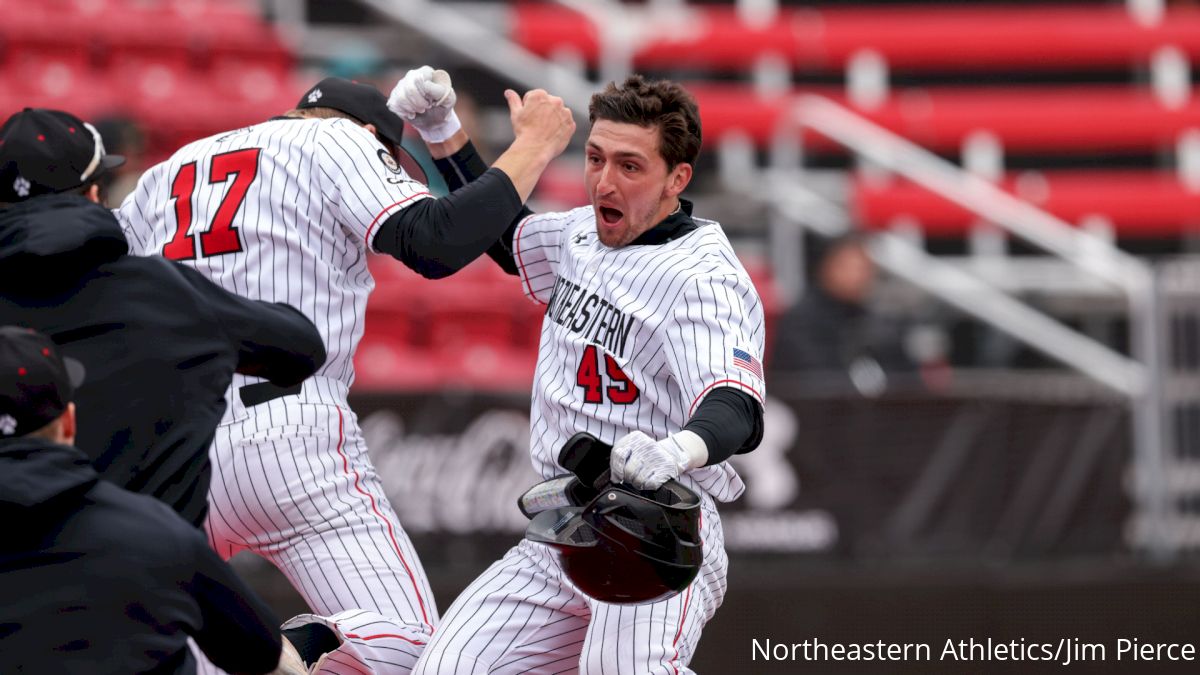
96	579
159	341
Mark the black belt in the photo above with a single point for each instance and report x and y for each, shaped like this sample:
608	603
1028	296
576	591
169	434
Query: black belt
261	392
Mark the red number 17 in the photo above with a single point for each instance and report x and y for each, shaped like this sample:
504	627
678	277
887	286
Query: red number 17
221	237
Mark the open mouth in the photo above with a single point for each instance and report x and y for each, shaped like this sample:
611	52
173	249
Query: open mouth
609	215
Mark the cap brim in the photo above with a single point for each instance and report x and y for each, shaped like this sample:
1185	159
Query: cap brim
112	161
75	371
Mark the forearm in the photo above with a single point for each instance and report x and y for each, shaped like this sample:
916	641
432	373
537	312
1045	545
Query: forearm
437	237
238	632
461	167
728	421
449	146
284	346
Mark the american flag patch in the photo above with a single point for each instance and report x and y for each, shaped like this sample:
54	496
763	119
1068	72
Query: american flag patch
743	360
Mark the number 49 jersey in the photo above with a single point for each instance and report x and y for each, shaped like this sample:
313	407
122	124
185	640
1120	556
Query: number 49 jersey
282	211
633	338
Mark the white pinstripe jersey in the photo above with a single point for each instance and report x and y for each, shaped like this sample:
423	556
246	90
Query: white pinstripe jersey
282	211
633	338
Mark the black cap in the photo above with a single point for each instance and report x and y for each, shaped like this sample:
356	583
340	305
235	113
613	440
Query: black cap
46	151
36	381
366	104
361	101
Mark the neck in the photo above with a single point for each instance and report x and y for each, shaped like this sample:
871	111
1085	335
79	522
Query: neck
664	214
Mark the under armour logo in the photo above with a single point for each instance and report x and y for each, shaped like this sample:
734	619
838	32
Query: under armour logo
8	425
315	96
22	187
579	238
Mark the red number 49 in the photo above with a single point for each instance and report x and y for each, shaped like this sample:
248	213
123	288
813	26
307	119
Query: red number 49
621	392
221	237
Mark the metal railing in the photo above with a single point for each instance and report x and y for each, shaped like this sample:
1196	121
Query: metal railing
1139	378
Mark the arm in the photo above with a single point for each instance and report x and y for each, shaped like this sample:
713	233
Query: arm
727	422
274	340
426	99
709	346
238	633
459	163
438	237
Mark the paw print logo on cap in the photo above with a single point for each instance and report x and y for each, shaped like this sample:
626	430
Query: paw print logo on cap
8	425
315	96
21	186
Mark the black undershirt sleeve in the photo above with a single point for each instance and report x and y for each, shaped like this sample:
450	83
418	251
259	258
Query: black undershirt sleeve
729	421
460	169
438	237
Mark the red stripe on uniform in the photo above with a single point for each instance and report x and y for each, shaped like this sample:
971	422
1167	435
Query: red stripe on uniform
385	210
384	635
682	619
388	523
521	265
720	382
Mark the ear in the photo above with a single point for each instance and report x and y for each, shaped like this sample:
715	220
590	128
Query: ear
93	193
679	178
371	128
67	431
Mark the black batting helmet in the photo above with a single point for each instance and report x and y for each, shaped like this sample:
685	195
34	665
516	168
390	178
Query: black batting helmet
627	546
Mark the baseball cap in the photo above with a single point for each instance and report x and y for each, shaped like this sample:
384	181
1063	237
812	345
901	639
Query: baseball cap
45	151
36	381
368	105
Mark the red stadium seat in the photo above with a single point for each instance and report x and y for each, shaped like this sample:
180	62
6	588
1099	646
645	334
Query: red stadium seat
937	37
1140	204
1026	119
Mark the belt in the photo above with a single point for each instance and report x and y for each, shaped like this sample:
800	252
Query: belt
261	392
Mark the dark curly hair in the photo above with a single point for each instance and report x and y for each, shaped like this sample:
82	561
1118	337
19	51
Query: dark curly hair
653	103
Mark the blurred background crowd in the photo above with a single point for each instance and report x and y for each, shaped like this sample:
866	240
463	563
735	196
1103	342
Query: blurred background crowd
975	226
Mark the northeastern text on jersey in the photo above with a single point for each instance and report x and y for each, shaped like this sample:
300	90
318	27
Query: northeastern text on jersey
582	310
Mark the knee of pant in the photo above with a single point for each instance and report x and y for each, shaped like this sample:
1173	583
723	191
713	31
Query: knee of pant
436	661
661	668
594	662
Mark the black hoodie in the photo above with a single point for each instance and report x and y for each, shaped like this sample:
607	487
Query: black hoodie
96	579
160	343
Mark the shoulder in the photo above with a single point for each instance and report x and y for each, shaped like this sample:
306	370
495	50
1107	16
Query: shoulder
707	257
340	130
562	219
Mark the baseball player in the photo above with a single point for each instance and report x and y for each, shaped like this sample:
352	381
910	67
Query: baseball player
160	342
287	210
651	341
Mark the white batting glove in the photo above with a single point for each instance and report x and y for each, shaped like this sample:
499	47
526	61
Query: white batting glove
646	463
425	98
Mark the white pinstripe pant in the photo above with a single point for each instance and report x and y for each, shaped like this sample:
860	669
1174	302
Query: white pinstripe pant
293	483
524	616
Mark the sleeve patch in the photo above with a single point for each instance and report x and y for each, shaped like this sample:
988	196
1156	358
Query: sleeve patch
744	360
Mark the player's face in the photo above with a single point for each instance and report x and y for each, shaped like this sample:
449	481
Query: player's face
628	181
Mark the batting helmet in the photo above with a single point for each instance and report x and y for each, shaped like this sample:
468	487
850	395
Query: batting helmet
627	546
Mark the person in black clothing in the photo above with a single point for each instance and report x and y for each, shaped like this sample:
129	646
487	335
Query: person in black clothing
93	578
160	341
832	329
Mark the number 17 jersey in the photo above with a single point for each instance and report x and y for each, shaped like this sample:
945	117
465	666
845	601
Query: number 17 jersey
633	338
282	211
